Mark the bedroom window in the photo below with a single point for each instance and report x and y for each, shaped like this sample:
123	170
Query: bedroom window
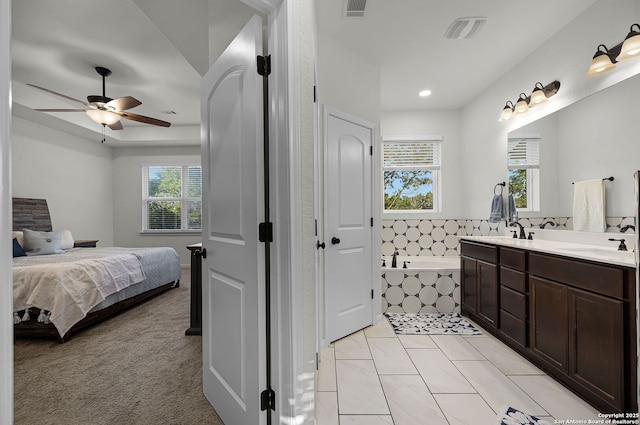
171	198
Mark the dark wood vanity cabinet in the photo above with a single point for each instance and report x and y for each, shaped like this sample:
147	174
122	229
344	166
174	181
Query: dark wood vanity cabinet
480	288
573	318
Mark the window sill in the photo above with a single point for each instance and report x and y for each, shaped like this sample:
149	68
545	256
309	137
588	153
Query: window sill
170	232
410	215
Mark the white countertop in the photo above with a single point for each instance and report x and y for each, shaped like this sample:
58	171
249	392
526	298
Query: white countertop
602	254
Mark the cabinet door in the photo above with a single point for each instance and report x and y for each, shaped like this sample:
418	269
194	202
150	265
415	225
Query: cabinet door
469	285
488	292
549	322
596	346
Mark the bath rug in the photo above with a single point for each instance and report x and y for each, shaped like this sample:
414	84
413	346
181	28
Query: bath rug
431	324
510	416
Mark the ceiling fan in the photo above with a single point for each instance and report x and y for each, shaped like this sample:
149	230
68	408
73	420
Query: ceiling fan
103	109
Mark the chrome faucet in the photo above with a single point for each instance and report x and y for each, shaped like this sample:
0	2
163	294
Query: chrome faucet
522	234
394	261
627	227
547	222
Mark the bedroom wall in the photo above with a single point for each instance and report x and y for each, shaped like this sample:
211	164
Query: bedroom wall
127	199
74	175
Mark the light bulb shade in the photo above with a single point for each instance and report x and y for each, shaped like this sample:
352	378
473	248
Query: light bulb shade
631	45
507	112
103	117
522	105
600	64
537	97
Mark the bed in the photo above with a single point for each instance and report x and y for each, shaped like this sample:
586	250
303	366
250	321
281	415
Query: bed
57	294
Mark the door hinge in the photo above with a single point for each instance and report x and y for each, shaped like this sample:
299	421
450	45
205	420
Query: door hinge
315	95
268	400
264	65
265	232
371	221
371	150
372	294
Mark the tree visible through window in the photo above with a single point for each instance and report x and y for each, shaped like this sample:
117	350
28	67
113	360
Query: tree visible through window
172	197
410	170
523	157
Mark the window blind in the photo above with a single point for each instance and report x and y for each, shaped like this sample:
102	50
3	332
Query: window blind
523	153
411	155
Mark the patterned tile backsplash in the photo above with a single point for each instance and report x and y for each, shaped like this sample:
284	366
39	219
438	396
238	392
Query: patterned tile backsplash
440	237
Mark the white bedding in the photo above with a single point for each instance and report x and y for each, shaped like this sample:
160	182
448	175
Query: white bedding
68	285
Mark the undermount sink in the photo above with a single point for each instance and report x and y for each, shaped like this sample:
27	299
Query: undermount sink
607	252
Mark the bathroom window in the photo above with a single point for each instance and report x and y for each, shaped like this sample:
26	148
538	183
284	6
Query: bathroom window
171	198
411	167
524	172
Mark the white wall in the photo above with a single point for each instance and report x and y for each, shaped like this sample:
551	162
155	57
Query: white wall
74	175
564	57
127	199
447	124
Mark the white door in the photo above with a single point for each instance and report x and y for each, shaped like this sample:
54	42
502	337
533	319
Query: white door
349	227
233	270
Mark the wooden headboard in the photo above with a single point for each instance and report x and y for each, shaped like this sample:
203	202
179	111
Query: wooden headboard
31	214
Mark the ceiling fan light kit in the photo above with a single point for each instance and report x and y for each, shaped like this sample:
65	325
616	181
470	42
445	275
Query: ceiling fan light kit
539	95
604	60
105	110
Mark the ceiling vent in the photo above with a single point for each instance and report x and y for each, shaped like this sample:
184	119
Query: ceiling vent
465	27
354	8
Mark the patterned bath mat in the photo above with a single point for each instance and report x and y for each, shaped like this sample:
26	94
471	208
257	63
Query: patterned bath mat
431	324
510	416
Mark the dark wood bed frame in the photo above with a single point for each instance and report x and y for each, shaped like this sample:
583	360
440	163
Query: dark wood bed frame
34	214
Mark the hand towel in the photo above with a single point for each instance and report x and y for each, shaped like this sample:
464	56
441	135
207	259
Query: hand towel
588	206
513	213
497	210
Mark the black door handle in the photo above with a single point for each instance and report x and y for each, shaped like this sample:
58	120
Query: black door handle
335	240
201	253
319	245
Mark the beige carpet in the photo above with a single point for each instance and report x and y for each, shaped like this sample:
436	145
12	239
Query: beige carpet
136	368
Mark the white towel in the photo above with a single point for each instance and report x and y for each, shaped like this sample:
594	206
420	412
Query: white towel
588	206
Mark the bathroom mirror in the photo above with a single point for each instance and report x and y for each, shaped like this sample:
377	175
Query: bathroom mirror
596	137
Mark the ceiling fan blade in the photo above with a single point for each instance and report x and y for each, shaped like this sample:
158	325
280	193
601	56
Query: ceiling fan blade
59	94
115	126
61	110
142	118
124	103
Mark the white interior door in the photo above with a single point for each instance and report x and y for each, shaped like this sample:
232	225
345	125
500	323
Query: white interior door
233	270
349	225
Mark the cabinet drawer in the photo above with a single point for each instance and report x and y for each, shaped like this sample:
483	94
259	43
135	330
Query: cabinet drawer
512	258
513	279
513	327
513	302
481	252
603	280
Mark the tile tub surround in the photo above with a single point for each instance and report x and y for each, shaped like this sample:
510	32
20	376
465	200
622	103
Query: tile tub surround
440	237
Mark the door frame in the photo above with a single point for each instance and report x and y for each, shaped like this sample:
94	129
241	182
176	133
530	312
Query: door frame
376	307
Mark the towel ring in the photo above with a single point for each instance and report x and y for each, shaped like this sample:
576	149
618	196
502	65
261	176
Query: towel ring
502	185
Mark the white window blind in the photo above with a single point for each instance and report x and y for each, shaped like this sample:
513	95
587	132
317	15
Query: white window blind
523	153
411	155
171	197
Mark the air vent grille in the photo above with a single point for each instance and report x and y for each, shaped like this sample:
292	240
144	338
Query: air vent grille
355	8
465	27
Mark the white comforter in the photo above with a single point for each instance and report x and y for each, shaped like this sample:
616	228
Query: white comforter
70	286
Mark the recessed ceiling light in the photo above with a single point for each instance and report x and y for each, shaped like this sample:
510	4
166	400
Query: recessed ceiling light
425	93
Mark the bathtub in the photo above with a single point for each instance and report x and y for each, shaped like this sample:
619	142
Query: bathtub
429	284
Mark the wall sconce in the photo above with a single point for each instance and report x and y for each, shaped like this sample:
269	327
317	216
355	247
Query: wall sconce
539	95
605	60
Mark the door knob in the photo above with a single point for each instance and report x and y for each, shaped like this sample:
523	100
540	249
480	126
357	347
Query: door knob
335	240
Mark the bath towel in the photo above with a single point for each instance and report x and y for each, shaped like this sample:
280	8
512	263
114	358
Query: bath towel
513	213
497	210
588	206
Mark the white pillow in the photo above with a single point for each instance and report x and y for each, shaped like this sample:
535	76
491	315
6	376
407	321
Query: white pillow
67	240
42	243
16	234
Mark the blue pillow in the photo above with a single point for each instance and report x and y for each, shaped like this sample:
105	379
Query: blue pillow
42	243
17	249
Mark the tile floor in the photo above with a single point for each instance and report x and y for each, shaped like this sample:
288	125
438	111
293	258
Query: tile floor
375	377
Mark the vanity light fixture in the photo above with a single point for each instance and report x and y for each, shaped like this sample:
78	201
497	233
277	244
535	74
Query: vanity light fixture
604	60
539	95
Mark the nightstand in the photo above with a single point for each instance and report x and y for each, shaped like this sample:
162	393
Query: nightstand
87	243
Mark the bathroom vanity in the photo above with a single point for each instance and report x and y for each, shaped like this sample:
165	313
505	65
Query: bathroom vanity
568	308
